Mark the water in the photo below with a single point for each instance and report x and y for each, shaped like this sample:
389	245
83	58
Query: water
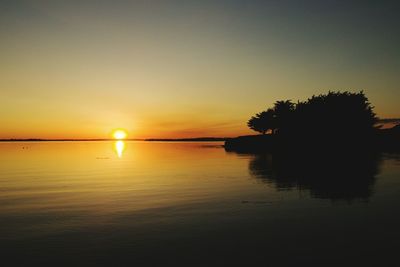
193	204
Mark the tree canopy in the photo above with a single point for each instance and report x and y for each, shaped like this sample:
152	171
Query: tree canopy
334	113
262	122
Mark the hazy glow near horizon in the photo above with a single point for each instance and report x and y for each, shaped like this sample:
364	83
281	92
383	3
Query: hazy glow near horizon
167	69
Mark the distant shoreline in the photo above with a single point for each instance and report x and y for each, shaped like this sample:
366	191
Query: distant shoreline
197	139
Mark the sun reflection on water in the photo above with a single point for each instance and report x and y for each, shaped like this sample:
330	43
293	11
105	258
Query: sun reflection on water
119	147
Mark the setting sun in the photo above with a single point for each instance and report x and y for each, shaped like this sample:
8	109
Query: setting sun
119	134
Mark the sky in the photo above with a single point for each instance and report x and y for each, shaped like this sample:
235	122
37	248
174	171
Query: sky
169	69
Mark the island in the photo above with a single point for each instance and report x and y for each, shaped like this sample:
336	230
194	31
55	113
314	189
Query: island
331	122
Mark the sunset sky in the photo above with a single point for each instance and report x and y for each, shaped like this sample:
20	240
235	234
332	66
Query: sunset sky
78	69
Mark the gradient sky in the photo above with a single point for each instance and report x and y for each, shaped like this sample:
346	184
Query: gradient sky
78	69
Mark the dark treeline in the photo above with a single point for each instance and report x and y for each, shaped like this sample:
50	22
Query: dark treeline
334	114
334	120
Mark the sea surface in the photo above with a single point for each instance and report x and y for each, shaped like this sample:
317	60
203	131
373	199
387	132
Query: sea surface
128	203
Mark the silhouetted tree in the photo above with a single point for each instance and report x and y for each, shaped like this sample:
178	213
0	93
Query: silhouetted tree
262	122
333	116
283	111
336	114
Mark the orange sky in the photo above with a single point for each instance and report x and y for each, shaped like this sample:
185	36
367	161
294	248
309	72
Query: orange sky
165	70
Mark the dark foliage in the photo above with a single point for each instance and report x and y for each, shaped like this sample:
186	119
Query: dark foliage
262	122
284	114
335	114
338	115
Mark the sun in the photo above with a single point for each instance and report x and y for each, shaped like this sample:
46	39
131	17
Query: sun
119	134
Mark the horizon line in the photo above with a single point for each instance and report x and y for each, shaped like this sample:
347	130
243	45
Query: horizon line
112	139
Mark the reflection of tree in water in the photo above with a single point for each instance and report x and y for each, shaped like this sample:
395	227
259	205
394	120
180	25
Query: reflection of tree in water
347	177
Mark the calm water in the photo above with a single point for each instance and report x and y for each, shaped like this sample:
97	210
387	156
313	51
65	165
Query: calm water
193	204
